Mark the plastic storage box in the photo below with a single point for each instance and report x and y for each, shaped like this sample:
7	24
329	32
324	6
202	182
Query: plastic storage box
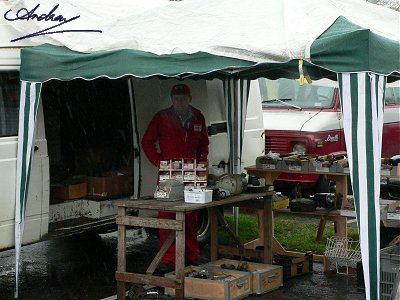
198	196
390	271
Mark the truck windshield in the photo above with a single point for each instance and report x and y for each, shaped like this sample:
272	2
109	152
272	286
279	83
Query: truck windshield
284	93
392	94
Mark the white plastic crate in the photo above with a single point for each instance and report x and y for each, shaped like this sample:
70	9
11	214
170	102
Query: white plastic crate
343	252
198	196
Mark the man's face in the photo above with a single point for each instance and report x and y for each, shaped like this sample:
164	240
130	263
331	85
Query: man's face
181	103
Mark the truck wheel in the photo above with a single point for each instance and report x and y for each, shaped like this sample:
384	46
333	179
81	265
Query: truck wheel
203	231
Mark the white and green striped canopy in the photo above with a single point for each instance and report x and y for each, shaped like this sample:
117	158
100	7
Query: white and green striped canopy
362	96
347	37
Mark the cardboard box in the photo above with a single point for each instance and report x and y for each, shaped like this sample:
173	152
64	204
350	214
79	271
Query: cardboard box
318	166
109	186
279	204
340	169
189	176
348	213
235	286
263	162
68	192
198	196
264	277
390	170
295	165
393	211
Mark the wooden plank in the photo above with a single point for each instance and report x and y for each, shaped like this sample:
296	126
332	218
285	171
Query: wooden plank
213	233
148	279
252	170
149	222
318	212
250	204
341	185
277	247
180	256
168	242
179	294
175	206
268	230
253	253
321	228
121	264
254	243
232	250
341	226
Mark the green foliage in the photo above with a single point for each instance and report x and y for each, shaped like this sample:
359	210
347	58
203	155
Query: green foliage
293	232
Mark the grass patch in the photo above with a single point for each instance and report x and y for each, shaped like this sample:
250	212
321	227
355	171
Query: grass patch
293	232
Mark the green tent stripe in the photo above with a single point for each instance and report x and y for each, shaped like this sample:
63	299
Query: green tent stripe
23	190
36	87
37	96
229	107
354	141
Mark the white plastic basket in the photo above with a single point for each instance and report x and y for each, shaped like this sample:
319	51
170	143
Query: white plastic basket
343	252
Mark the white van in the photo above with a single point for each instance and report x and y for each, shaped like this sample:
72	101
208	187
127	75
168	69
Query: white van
88	129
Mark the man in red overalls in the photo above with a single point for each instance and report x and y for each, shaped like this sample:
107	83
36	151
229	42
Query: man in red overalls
181	132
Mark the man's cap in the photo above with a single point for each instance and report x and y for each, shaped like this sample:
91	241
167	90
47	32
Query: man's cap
180	89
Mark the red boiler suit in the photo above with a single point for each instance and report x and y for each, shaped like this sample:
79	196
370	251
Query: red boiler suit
166	128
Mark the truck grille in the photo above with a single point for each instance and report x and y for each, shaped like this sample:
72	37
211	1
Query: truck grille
276	144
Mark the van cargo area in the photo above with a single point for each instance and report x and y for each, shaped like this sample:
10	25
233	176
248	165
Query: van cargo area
89	136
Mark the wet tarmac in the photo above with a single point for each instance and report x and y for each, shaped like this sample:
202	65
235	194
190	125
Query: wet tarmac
83	267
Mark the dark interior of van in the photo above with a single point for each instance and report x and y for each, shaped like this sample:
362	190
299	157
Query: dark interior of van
88	128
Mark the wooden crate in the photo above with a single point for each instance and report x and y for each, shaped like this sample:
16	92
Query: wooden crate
109	186
237	286
295	265
68	192
264	277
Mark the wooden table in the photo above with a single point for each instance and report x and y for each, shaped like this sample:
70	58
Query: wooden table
341	191
261	201
340	221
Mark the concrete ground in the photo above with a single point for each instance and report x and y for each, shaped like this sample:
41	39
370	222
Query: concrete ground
83	268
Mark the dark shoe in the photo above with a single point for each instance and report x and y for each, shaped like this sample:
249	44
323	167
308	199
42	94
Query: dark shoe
198	262
163	268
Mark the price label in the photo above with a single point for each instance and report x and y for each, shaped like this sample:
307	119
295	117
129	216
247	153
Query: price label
295	168
322	169
269	167
385	172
